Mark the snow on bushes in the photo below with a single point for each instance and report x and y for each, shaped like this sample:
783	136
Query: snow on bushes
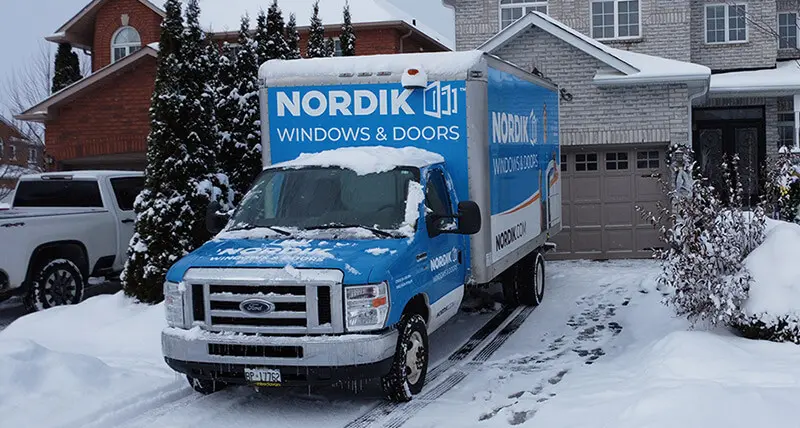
772	310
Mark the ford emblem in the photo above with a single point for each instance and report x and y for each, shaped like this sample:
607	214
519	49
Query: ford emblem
256	307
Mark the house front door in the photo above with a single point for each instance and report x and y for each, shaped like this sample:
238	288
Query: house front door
721	133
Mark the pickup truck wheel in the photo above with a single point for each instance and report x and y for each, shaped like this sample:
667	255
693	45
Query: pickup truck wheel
55	283
206	386
410	365
532	280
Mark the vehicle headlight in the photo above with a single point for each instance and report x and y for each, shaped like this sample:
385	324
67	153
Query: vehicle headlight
173	304
366	307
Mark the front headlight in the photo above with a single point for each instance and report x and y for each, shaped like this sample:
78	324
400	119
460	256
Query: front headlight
366	306
173	304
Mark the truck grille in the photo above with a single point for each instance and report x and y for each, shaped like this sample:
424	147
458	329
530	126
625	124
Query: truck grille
299	307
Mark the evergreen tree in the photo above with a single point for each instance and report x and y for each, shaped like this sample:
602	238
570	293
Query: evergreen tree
67	68
238	112
317	46
347	38
182	176
152	250
261	37
330	47
292	38
276	48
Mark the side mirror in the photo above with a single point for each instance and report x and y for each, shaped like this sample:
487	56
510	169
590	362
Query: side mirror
469	218
214	221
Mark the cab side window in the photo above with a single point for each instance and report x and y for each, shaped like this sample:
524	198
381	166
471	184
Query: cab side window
437	200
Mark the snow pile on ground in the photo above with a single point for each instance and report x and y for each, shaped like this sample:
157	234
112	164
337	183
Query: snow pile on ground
688	379
365	160
78	361
776	274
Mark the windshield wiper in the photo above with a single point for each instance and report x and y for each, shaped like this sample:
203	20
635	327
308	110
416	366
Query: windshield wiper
272	228
374	230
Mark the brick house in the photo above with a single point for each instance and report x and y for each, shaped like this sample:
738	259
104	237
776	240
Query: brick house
19	155
102	121
733	89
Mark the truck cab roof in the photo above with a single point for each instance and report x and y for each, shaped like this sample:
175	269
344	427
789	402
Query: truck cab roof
81	175
366	159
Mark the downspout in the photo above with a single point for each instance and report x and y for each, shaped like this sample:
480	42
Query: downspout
402	38
693	96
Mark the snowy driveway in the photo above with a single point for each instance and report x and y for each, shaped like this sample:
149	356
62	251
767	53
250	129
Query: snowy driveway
498	375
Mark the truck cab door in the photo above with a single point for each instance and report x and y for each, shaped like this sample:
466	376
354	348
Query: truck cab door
125	189
446	251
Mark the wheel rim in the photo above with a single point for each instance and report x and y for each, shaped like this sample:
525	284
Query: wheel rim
60	288
539	279
414	357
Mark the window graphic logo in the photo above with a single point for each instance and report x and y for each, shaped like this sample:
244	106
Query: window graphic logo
441	100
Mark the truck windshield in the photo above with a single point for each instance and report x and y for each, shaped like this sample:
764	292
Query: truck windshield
317	198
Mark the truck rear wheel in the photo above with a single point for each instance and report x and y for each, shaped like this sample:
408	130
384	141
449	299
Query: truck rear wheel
206	386
410	366
531	292
55	283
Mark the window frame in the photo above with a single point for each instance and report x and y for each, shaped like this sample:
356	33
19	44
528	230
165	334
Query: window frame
130	47
12	152
522	5
32	157
788	124
616	20
796	35
582	165
648	160
2	149
727	40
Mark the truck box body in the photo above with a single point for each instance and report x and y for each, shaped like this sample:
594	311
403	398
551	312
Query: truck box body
497	128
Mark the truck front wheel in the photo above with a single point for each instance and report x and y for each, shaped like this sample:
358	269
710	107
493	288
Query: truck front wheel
532	291
410	365
55	283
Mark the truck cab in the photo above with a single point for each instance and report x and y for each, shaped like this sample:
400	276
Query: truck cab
347	259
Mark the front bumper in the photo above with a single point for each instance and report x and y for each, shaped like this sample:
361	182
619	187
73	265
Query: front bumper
304	360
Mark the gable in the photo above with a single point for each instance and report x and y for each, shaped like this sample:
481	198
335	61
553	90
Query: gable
79	30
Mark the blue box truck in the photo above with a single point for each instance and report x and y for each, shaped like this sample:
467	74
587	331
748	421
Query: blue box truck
390	184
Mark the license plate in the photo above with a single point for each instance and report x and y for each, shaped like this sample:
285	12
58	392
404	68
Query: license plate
263	377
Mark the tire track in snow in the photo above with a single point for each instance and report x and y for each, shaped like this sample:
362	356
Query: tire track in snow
397	414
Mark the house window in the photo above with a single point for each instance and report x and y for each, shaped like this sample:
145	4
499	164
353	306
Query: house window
787	30
616	161
125	42
615	19
512	10
786	129
726	23
563	163
586	162
12	152
31	156
337	47
2	149
648	160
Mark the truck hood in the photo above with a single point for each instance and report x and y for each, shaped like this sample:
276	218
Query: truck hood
361	261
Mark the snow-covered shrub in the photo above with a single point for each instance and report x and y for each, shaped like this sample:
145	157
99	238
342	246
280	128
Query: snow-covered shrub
783	185
772	309
706	243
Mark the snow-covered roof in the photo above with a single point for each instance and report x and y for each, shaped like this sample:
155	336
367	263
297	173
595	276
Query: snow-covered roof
784	79
437	65
224	16
626	67
365	160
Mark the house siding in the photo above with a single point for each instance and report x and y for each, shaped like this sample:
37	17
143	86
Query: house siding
596	115
109	19
759	51
11	137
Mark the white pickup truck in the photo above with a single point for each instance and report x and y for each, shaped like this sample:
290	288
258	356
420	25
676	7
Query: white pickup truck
62	229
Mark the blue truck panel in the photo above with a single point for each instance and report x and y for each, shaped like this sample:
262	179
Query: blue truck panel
523	142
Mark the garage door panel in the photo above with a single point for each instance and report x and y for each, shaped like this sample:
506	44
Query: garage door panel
562	241
619	240
586	189
647	238
587	240
566	214
617	188
586	215
649	208
566	188
618	214
648	189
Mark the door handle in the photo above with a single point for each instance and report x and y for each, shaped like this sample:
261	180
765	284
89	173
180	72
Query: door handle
128	220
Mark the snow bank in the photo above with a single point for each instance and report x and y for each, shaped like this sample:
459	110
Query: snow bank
691	379
775	290
365	160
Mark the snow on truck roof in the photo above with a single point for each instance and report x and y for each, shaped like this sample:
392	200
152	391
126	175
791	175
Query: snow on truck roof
365	160
83	175
437	65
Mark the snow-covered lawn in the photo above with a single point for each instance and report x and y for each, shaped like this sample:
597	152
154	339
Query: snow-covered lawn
601	351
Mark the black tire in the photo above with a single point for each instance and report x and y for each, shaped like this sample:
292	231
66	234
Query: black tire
400	384
531	280
55	283
510	281
206	386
